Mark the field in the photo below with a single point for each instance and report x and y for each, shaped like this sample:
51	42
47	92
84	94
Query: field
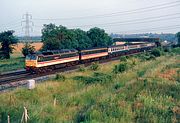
17	60
19	47
147	91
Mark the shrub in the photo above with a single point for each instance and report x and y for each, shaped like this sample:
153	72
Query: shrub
82	115
118	85
82	69
116	69
94	66
120	68
141	73
167	49
133	62
156	52
177	77
28	49
176	50
123	58
96	78
152	57
146	57
60	77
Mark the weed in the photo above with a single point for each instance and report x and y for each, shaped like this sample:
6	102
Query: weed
120	68
96	78
94	66
60	77
118	85
82	69
123	58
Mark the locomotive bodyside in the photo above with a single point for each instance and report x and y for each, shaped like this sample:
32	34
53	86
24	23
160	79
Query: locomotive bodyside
50	60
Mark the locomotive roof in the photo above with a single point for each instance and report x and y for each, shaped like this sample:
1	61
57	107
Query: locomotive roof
53	52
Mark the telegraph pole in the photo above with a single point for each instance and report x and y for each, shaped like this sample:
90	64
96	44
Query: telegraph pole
28	25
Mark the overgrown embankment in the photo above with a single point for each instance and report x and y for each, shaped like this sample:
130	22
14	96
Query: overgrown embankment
138	89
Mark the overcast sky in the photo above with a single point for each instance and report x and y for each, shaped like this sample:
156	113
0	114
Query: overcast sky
115	16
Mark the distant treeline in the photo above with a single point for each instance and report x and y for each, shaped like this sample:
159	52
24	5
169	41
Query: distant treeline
169	37
33	39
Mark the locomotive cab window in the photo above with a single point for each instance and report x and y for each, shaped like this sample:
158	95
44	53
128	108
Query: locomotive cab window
31	57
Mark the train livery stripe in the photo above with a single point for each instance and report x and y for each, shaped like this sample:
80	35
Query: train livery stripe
58	61
89	56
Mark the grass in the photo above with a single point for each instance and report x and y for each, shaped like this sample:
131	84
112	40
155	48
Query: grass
14	63
142	93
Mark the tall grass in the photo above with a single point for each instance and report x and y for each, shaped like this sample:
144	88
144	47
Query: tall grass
137	94
14	63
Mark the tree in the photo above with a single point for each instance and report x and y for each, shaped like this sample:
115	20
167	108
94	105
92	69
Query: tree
178	37
58	37
82	39
7	41
99	37
28	49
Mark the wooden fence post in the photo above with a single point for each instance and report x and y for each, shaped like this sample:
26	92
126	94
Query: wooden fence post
54	102
25	116
8	119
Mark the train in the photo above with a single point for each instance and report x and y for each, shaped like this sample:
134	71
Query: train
47	61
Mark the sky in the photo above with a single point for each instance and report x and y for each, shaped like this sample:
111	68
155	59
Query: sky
114	16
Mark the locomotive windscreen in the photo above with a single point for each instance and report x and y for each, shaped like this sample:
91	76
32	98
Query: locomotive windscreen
31	57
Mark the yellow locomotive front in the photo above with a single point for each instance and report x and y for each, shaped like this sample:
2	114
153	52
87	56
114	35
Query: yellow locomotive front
31	62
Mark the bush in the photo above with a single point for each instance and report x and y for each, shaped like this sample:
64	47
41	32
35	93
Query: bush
152	57
120	68
156	52
147	57
94	66
118	85
141	73
176	50
60	77
133	62
123	58
115	70
96	78
28	49
177	77
167	49
82	69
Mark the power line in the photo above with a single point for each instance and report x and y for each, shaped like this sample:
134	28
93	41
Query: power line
11	23
153	29
130	21
144	9
135	21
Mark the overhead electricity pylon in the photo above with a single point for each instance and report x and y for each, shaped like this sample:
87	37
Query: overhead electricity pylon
28	25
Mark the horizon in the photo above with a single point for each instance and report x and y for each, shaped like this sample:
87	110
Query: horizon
114	16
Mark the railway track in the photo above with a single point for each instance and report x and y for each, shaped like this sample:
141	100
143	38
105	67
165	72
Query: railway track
12	79
12	73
